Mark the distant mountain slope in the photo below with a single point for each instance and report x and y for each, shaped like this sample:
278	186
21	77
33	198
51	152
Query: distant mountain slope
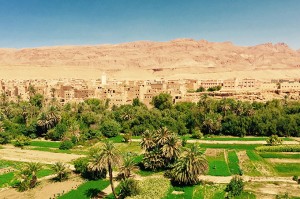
177	56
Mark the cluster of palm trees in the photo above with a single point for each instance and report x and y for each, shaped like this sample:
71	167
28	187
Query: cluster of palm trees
163	151
162	148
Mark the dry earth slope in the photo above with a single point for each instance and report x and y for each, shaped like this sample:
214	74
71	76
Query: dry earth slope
181	58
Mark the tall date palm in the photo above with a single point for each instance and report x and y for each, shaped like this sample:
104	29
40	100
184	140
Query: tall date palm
106	157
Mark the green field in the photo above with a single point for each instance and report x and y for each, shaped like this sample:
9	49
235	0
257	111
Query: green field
233	163
231	146
47	144
203	192
218	165
229	138
253	156
87	190
279	155
288	169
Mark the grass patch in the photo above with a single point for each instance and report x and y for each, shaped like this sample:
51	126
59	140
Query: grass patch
52	150
146	172
5	179
233	163
253	156
8	163
86	190
279	155
197	192
279	148
133	147
287	169
231	146
47	144
217	165
117	139
260	164
8	178
154	188
187	192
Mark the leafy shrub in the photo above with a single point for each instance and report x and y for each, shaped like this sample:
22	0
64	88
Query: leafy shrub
197	134
279	148
274	140
66	144
22	141
184	141
215	88
5	137
127	137
235	186
295	178
128	187
200	89
285	196
110	128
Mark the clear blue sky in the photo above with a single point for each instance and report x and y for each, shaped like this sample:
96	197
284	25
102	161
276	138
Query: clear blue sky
32	23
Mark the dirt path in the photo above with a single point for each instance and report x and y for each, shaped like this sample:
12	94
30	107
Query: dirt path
17	154
47	189
226	179
227	142
281	160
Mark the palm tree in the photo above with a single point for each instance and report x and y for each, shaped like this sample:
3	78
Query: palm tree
162	135
128	166
171	149
147	142
31	90
31	169
106	157
153	159
189	166
62	170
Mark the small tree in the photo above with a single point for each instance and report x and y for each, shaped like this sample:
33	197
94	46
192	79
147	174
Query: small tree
235	186
27	176
197	134
110	128
162	101
22	141
200	89
62	171
66	144
274	140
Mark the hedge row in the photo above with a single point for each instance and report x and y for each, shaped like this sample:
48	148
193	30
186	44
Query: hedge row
280	148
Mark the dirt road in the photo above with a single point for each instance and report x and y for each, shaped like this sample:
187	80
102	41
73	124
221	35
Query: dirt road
16	154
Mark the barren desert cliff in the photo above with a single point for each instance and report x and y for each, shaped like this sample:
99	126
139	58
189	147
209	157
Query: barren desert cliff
181	58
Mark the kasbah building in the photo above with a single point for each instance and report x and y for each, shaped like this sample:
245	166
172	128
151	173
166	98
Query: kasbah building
121	92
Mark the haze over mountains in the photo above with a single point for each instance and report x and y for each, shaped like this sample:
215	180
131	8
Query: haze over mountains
181	58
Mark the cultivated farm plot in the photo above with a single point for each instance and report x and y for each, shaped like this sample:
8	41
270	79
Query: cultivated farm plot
217	163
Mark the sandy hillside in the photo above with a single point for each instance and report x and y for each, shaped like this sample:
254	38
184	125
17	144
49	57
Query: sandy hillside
181	58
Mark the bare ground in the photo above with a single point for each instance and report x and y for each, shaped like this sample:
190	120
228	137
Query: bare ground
47	189
22	155
281	160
